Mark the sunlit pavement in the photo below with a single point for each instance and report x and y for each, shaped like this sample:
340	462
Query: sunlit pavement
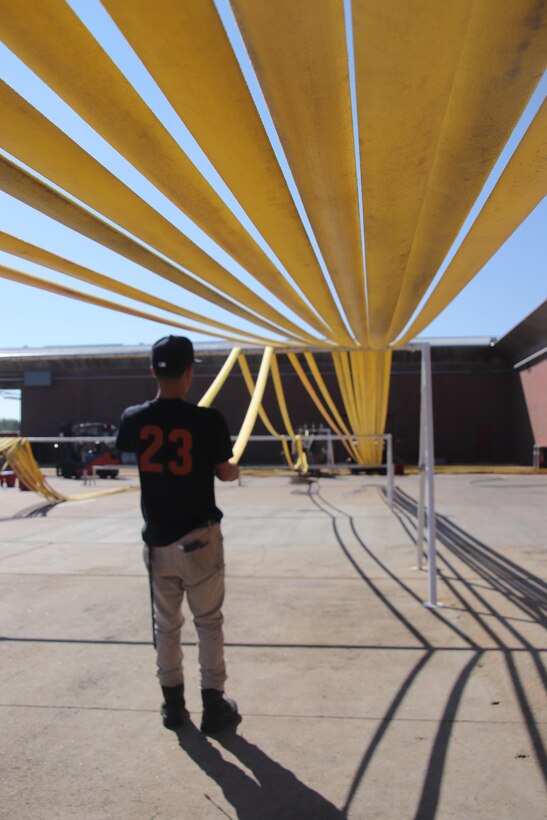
357	700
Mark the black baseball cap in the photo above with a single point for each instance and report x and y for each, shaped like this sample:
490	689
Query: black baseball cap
171	355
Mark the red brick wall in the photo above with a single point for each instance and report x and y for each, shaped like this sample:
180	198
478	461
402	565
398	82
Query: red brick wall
483	409
534	386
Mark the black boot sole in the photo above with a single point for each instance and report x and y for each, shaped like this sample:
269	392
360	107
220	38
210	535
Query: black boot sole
172	721
212	726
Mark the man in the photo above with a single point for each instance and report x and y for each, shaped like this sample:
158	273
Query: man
180	448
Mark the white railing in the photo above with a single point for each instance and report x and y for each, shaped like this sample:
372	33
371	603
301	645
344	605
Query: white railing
307	440
330	463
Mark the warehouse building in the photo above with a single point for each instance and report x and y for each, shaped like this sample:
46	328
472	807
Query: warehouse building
490	396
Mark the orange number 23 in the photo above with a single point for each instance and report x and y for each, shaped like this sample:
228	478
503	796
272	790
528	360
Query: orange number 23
181	465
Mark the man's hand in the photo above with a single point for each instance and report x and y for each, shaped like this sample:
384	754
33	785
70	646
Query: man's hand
227	471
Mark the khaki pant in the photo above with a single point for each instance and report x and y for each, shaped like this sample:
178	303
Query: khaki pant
199	574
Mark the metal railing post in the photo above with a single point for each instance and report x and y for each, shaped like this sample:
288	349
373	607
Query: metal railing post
326	435
421	497
427	409
390	471
330	448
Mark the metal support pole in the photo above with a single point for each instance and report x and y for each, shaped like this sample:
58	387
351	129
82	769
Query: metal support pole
421	499
430	474
389	464
330	448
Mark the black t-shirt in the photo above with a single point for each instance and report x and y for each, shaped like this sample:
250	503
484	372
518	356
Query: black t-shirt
177	446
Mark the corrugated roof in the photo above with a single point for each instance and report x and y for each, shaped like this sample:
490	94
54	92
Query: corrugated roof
203	348
527	340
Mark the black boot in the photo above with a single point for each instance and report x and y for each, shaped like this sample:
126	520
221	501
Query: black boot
173	708
218	711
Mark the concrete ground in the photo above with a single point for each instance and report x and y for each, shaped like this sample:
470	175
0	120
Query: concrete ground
357	700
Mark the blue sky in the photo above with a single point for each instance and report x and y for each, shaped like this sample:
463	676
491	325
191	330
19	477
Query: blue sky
509	287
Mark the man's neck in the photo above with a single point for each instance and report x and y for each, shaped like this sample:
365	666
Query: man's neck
175	388
167	392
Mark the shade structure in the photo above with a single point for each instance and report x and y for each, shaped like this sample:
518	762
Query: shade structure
344	145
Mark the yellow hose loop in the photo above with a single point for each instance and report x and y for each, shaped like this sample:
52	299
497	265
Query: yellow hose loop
18	454
299	53
208	90
66	164
60	49
101	493
251	388
254	406
301	463
312	364
32	253
210	395
341	429
318	403
281	397
418	191
363	377
14	275
263	415
287	453
36	194
519	190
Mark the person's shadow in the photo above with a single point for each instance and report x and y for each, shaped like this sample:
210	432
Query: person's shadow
275	793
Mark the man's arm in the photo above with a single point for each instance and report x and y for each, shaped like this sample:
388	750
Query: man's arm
227	471
123	441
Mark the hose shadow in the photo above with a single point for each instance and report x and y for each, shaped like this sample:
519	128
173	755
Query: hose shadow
520	586
335	513
525	591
